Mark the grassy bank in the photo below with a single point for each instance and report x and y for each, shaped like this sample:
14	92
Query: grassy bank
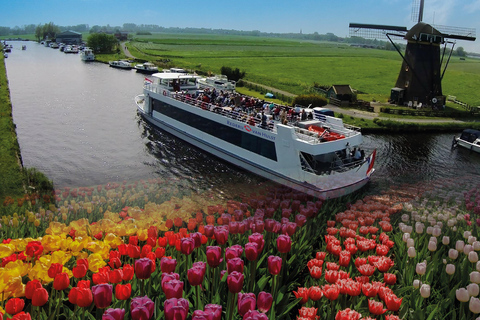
15	180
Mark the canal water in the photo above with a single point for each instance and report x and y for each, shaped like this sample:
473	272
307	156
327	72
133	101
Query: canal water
77	122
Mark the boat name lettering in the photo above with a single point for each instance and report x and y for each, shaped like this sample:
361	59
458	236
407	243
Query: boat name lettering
251	130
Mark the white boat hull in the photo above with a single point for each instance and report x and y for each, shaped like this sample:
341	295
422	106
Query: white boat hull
333	185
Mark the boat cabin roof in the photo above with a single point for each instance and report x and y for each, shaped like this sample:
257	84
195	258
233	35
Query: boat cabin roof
173	76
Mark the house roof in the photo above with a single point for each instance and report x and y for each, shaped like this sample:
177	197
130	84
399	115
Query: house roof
342	89
69	33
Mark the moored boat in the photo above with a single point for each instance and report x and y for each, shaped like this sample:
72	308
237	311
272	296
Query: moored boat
120	64
285	151
219	82
146	67
470	139
87	54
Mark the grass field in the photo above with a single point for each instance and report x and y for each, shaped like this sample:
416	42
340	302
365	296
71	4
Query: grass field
294	66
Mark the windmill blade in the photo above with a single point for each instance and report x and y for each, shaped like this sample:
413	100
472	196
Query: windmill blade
459	33
375	31
417	10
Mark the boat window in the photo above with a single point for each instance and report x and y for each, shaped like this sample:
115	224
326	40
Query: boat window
250	142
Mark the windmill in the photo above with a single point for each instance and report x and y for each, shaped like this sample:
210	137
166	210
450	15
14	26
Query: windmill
421	74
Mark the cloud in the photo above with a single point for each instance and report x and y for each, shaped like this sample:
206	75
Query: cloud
473	7
439	11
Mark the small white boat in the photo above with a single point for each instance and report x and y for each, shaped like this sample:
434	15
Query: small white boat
87	54
470	139
120	64
217	82
146	67
309	156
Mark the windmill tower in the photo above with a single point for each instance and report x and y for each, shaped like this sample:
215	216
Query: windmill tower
420	77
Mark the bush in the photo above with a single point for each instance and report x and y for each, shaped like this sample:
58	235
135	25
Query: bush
232	74
314	100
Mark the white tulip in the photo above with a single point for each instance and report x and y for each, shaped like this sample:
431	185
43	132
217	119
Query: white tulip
474	305
436	231
417	283
429	230
421	268
451	223
471	239
440	224
446	240
472	256
434	239
460	217
410	242
473	289
475	277
467	249
478	266
405	237
467	234
476	245
454	229
450	269
452	254
462	295
425	291
432	246
411	252
460	245
405	217
441	216
408	229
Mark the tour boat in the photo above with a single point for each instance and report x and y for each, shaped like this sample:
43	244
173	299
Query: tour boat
219	82
87	54
120	64
470	139
146	67
293	153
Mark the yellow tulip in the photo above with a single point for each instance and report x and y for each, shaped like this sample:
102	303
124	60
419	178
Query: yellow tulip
95	262
14	288
36	222
112	240
51	242
15	222
6	250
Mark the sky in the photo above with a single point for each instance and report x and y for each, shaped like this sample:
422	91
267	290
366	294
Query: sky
277	16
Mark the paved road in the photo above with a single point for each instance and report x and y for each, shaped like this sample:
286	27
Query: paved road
125	50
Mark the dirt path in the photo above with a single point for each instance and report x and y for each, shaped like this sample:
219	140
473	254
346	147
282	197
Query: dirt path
125	50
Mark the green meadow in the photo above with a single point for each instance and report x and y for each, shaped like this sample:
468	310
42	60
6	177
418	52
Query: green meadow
295	65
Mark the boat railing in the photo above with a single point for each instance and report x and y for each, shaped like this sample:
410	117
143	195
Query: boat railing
314	137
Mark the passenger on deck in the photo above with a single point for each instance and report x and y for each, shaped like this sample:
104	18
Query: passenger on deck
303	115
357	154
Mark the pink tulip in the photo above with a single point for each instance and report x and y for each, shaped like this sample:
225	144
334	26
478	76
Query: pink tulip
235	264
173	289
215	309
187	245
258	238
235	282
264	301
176	309
246	302
214	254
221	235
251	251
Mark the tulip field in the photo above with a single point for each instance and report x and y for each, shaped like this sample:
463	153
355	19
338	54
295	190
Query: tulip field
126	251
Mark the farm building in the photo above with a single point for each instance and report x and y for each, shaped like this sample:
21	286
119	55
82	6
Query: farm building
343	93
69	37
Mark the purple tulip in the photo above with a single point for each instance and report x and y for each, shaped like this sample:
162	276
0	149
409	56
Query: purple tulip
264	301
251	251
197	237
258	238
176	309
195	275
234	251
114	314
215	309
235	282
235	264
246	302
187	245
300	220
254	315
102	295
173	289
221	235
274	264
143	268
141	308
208	230
168	265
214	256
284	243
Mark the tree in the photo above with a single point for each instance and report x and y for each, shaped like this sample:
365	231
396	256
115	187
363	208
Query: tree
232	74
461	52
102	43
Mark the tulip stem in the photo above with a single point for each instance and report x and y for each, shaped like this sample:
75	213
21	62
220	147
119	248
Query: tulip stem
142	287
274	295
199	304
253	269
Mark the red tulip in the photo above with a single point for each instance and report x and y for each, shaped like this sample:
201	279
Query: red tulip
235	264
331	292
214	254
348	314
80	296
55	268
369	290
133	240
79	271
128	272
146	249
19	316
382	250
302	293
133	251
315	272
315	293
34	249
30	288
274	264
14	306
162	242
176	309
246	302
102	295
84	284
384	264
143	268
168	265
115	276
101	277
39	297
376	307
251	251
61	281
344	258
392	302
389	278
173	289
331	276
300	220
308	313
366	269
235	282
159	252
123	291
114	314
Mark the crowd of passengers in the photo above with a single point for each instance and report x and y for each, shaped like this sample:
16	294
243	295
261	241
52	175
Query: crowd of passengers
254	111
